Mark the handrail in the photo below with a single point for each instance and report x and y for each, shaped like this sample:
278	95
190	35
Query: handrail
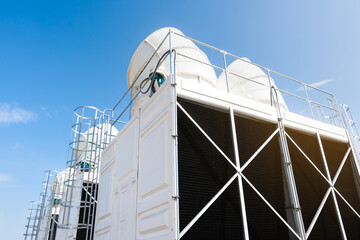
332	112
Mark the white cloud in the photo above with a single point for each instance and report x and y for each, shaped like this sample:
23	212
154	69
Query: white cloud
316	84
16	146
12	114
4	178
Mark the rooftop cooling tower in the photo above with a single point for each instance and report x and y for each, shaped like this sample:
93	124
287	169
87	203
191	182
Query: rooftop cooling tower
248	80
151	51
201	163
86	144
58	188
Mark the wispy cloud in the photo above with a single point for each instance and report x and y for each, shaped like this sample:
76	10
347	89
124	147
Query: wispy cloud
12	114
316	84
4	178
16	146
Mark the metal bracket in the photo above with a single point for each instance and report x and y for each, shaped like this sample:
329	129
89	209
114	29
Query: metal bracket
175	197
292	207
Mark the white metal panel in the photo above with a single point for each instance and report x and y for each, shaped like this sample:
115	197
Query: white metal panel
155	219
127	151
105	190
116	209
125	183
103	235
103	212
137	180
124	210
154	157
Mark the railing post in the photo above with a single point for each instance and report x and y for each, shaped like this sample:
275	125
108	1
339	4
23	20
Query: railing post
226	72
308	101
336	106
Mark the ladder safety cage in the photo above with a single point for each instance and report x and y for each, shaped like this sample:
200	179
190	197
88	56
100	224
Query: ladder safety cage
31	227
40	211
91	132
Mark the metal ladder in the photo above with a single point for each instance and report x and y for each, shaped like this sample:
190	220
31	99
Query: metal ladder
351	127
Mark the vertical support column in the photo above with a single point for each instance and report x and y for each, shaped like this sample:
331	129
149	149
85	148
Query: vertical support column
174	138
338	214
287	166
241	190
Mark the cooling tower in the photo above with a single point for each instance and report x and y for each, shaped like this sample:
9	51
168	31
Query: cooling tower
203	160
248	80
153	48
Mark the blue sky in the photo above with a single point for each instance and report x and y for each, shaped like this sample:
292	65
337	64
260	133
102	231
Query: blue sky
57	55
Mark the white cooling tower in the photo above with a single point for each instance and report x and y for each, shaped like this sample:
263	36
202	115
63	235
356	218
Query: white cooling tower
187	69
58	185
86	147
249	81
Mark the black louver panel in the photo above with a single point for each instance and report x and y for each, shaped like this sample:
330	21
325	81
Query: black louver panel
312	187
203	171
53	227
87	208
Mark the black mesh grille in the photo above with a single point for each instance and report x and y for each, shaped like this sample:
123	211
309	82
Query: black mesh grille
311	186
87	208
203	171
53	227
